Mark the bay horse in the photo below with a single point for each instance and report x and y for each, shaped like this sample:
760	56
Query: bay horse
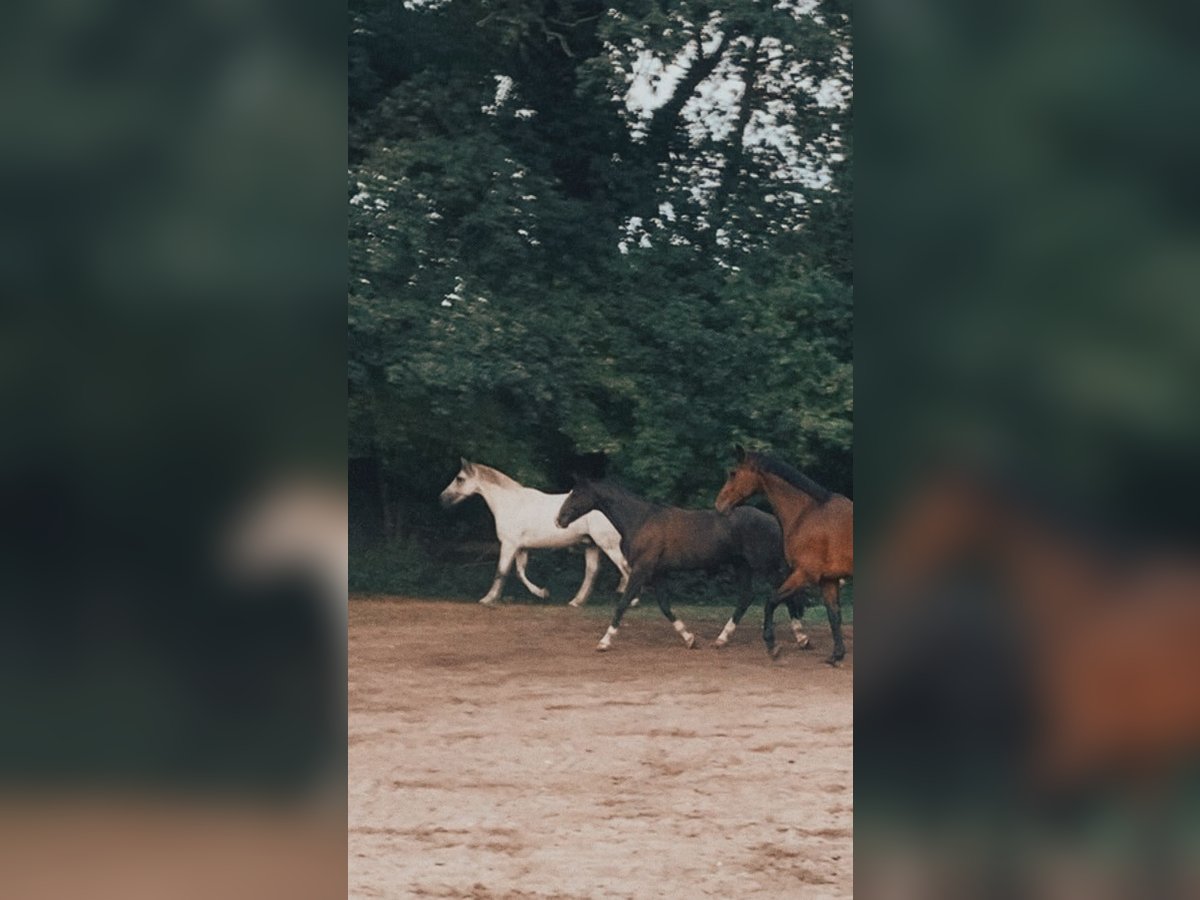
524	519
657	539
818	535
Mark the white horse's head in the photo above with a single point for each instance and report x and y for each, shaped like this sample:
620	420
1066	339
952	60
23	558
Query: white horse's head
465	483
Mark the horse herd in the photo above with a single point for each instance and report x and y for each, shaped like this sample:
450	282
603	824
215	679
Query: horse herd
808	543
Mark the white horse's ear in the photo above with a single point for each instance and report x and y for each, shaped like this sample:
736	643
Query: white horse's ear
739	452
466	466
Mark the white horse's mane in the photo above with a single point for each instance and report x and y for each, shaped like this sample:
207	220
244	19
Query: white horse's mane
487	473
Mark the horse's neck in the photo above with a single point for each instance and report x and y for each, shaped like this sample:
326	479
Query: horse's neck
790	503
500	498
625	513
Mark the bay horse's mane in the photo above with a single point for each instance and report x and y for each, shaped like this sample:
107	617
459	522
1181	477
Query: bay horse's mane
791	475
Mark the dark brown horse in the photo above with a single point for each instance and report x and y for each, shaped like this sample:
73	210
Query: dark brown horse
657	539
818	535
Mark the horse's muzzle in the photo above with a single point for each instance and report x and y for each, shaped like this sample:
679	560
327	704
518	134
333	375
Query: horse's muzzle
446	500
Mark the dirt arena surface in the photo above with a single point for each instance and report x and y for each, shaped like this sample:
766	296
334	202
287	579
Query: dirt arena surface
494	754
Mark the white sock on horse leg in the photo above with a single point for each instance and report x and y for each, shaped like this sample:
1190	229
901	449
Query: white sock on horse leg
729	628
801	637
606	641
688	637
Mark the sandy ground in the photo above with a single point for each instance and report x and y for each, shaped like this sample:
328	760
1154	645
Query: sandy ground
494	754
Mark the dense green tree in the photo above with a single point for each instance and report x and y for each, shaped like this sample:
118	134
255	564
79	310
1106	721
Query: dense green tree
576	227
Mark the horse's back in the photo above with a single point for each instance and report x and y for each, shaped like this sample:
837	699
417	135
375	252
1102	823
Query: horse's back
527	518
823	540
836	518
844	512
685	538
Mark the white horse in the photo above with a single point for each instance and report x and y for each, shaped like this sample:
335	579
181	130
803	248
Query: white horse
525	521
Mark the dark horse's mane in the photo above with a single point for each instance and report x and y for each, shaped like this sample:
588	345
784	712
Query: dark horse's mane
615	488
627	511
791	475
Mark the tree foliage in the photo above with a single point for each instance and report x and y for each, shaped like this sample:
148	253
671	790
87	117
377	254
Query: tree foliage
576	227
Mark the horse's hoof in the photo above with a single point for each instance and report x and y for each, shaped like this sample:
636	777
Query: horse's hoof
602	648
807	645
774	651
487	602
576	603
545	594
834	662
690	641
634	601
719	643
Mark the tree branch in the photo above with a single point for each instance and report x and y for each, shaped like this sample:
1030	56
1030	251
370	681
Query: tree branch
665	121
737	150
561	39
574	24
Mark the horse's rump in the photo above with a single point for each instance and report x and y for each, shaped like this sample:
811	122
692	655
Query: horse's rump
760	538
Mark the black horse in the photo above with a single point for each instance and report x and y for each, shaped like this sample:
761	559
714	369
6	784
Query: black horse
657	539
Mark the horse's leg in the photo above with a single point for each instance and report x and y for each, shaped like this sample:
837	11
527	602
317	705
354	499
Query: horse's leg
831	595
591	565
636	580
664	604
508	553
793	585
745	597
769	625
522	557
613	552
796	611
